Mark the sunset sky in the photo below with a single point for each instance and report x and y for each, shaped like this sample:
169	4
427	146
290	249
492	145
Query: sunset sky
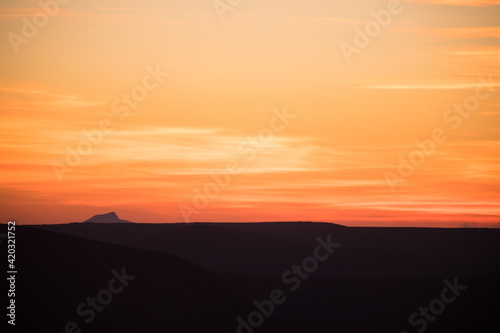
347	122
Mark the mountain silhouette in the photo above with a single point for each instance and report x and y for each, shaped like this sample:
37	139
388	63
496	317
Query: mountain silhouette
106	218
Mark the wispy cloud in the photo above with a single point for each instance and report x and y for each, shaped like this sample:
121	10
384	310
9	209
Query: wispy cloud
14	13
35	97
475	3
325	19
452	33
427	86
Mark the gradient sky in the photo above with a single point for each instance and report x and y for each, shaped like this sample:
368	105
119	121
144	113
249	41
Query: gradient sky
352	120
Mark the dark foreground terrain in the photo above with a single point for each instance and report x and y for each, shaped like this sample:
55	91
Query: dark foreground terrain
262	277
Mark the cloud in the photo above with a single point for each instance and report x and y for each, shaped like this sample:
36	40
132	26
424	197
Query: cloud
455	33
35	97
427	86
475	3
326	19
14	13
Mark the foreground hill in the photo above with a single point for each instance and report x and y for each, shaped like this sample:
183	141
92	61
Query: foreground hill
357	289
269	248
58	272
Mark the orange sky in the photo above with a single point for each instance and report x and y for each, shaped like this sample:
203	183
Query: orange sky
349	120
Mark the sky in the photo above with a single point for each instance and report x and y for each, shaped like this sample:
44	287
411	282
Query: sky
364	112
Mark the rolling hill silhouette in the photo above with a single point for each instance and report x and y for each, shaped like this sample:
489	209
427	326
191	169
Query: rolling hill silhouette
59	272
202	277
268	248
